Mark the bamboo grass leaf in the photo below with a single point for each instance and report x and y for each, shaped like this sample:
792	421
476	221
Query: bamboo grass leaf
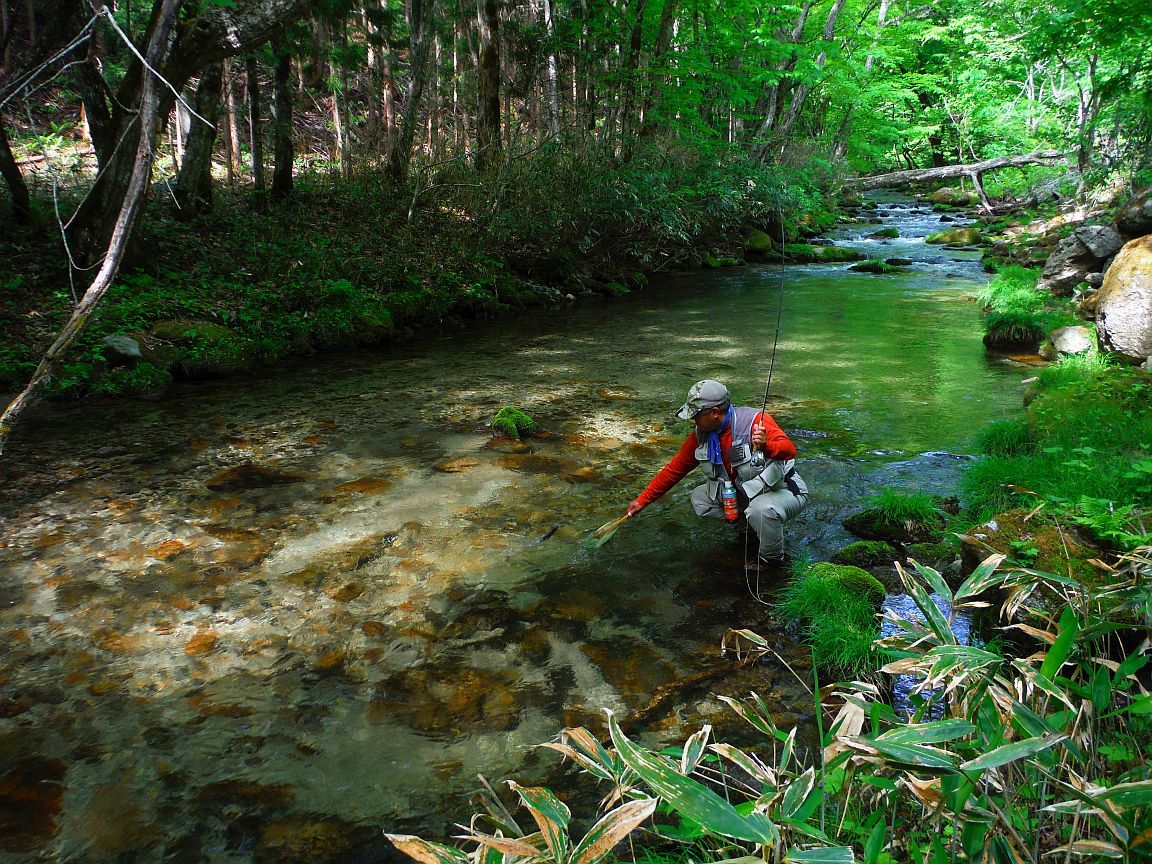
822	855
1126	795
1088	847
747	762
694	749
551	815
982	578
1012	751
929	733
506	845
613	827
1062	647
425	851
797	792
935	580
907	755
690	798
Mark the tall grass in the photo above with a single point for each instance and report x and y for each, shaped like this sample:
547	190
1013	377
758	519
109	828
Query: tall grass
904	507
835	607
1015	312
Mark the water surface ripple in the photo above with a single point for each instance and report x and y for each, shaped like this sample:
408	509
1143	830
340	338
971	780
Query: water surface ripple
269	617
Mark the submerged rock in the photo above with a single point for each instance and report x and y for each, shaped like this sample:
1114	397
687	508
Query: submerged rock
250	476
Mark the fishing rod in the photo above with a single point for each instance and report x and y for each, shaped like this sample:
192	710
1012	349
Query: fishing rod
755	592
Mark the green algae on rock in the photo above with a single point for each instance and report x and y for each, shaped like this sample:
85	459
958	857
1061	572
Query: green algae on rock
512	423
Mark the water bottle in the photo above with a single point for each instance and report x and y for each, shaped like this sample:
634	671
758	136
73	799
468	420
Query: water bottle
728	496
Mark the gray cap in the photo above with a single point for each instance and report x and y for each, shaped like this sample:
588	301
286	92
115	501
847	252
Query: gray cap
703	394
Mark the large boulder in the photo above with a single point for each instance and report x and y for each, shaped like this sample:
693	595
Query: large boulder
1067	267
1135	218
1101	240
1071	340
966	236
1124	305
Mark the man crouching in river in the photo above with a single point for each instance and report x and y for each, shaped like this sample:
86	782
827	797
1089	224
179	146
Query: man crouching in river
745	447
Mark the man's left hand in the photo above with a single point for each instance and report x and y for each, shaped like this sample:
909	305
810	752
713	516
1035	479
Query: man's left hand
759	437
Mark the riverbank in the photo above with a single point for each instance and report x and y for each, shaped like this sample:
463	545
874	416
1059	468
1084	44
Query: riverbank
247	286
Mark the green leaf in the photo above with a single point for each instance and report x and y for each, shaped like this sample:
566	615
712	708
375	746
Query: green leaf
797	792
875	843
613	827
425	851
914	755
929	733
821	855
551	815
1127	795
935	580
982	578
694	750
693	799
1062	647
1011	752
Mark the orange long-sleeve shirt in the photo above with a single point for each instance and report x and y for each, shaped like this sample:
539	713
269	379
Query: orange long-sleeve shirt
777	446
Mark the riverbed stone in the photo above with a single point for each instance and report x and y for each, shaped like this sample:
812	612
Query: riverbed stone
967	236
1134	219
249	475
1071	340
873	524
1124	304
31	794
1101	240
1067	267
866	553
441	700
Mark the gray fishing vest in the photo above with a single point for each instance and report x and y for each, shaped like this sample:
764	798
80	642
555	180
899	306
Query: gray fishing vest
755	473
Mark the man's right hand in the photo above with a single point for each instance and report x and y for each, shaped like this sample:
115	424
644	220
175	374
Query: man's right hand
635	507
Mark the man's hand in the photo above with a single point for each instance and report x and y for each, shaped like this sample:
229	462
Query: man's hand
635	507
759	437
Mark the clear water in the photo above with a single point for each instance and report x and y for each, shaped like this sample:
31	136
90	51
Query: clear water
269	617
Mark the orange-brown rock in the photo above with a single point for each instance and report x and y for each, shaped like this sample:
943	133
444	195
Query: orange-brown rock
250	476
168	549
365	486
457	465
201	643
30	797
346	592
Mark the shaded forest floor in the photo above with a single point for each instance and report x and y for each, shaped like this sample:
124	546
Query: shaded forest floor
346	263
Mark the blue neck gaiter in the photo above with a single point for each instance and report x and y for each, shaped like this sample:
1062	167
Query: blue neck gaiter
715	453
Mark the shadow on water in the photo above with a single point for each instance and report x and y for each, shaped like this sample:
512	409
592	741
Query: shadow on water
269	617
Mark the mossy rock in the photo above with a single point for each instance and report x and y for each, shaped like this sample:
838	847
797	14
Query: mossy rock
757	242
875	265
854	581
935	555
874	524
898	262
885	234
968	236
205	350
804	253
513	423
614	289
866	553
711	261
1033	542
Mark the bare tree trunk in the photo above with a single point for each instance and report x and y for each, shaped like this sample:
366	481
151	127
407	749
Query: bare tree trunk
125	221
21	210
553	74
800	94
255	132
282	126
233	117
489	151
947	172
631	71
775	95
421	26
193	191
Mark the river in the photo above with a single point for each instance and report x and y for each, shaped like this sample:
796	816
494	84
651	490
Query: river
268	618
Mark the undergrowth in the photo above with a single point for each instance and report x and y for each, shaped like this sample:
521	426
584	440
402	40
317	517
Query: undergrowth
1085	449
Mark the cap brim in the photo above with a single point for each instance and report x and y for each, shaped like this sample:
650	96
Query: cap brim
685	412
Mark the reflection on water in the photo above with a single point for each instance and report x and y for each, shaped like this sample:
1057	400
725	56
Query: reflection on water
270	616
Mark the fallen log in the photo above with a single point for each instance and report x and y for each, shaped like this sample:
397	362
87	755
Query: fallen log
973	170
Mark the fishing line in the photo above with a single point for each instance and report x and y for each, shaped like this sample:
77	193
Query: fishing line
755	592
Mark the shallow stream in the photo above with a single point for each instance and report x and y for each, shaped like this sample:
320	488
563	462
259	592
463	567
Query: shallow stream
270	617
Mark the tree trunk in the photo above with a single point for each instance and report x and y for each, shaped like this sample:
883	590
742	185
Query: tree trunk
21	211
774	97
631	72
233	117
282	127
949	172
663	44
488	141
553	74
421	35
800	94
138	183
255	132
193	191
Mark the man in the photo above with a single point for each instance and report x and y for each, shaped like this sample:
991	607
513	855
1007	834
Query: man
741	445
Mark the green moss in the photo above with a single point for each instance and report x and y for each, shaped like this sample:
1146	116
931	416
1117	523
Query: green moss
512	423
835	607
804	253
866	553
614	289
884	234
897	517
875	265
757	242
956	236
